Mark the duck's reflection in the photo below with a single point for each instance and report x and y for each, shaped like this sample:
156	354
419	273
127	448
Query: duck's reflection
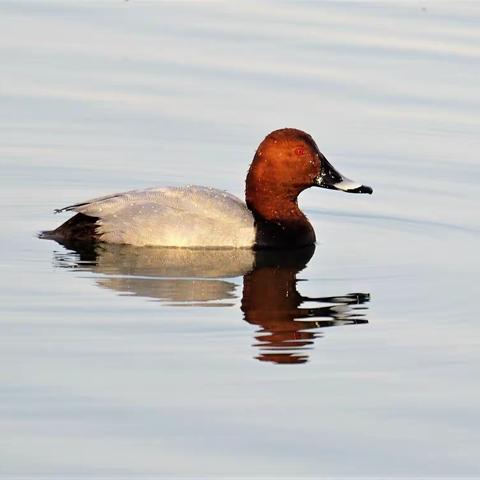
288	321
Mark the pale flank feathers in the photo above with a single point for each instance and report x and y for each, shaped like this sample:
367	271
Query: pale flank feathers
190	216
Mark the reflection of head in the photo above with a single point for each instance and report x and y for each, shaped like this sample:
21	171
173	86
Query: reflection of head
195	277
286	336
271	300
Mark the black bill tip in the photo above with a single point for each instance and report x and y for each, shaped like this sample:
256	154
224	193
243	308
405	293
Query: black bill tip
362	189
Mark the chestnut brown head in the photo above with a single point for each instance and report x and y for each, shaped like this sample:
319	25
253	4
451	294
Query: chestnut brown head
287	162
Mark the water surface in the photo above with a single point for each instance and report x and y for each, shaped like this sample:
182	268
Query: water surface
360	358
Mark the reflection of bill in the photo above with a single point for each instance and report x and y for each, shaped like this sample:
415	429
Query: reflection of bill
288	321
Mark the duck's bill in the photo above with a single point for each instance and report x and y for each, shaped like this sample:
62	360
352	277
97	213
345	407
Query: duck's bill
347	185
330	178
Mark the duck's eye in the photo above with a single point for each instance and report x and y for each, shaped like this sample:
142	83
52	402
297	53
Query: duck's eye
299	151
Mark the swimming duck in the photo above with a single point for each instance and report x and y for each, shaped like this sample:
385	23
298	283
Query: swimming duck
287	162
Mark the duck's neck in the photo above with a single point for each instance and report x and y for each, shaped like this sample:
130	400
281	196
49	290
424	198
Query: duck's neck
280	223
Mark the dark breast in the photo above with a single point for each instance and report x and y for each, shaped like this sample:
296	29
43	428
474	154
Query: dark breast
292	233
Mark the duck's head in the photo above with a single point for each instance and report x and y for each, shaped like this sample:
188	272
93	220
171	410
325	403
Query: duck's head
287	162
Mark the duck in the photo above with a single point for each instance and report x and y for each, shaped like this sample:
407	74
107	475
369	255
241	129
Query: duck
287	162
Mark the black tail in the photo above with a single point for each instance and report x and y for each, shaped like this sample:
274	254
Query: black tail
79	228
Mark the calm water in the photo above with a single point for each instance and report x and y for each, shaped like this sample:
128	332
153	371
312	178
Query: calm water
360	358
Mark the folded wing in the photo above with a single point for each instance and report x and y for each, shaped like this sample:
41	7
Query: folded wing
174	216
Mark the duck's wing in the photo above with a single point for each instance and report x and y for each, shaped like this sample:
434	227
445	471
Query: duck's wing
182	217
108	203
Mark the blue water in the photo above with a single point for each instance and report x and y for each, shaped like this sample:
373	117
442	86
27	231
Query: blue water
362	361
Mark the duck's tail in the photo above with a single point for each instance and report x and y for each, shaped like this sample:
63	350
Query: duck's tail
79	228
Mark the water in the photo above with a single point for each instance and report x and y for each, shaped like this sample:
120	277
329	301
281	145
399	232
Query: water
360	361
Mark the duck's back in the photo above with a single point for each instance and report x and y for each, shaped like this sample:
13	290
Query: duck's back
189	216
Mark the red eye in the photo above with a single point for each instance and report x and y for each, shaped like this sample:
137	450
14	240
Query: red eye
299	151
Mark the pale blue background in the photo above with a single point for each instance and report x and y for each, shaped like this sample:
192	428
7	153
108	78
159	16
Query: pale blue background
98	97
